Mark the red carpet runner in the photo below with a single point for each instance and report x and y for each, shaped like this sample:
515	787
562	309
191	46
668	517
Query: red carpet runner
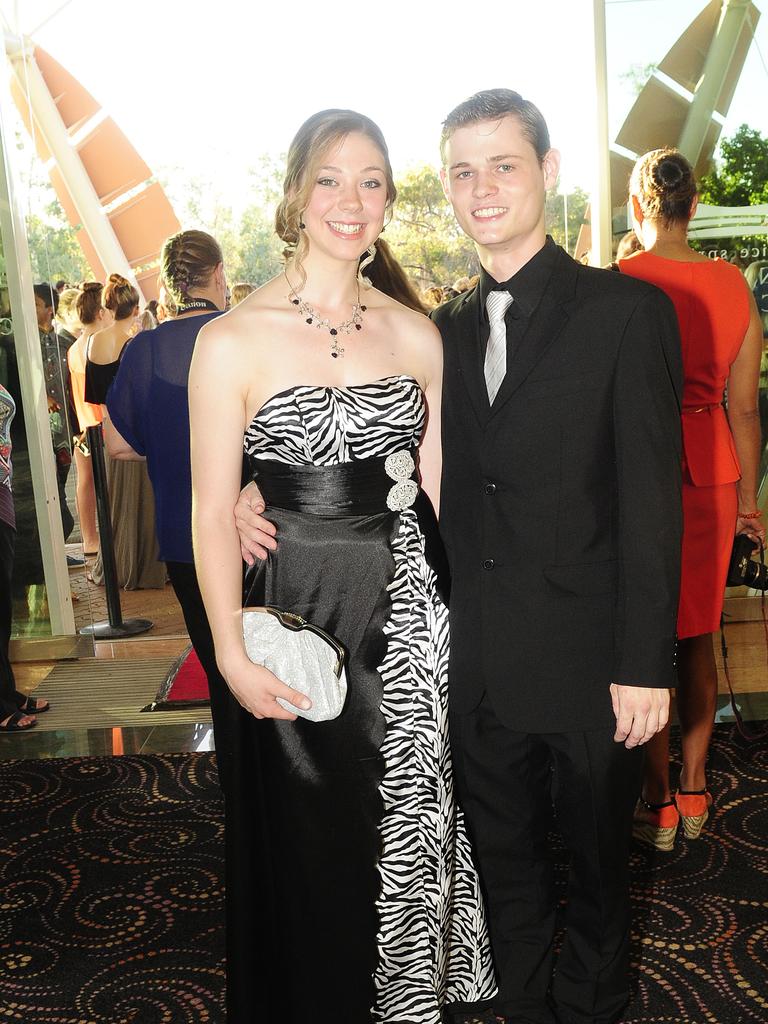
185	686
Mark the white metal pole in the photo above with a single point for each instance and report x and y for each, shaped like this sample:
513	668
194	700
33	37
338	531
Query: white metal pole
27	341
565	219
48	121
601	251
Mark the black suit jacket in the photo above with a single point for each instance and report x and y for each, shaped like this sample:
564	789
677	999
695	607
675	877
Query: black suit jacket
560	505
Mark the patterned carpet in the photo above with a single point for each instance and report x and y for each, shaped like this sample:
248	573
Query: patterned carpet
111	891
111	896
700	936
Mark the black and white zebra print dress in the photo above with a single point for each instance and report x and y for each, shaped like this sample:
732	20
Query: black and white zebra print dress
354	865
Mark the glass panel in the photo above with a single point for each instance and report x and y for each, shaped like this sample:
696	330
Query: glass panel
46	150
33	369
697	83
31	616
689	84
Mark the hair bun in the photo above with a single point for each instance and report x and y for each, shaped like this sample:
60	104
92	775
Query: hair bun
669	173
91	286
120	296
665	186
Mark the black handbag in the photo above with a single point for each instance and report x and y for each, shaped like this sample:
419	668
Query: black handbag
743	569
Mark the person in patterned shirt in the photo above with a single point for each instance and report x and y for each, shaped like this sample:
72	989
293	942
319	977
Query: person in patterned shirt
17	711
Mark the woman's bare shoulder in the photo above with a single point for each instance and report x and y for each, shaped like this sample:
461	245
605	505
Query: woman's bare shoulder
404	316
104	345
417	337
245	321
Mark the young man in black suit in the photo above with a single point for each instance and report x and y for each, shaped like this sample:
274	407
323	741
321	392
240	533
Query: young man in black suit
561	514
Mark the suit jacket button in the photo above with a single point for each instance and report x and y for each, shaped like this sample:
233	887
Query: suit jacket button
488	563
490	488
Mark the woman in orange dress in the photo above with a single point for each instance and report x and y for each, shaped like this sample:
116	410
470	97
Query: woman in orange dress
87	416
721	337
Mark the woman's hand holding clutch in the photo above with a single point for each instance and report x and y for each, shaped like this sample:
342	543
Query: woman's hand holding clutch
257	690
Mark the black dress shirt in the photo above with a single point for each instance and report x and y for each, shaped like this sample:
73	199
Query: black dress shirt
526	288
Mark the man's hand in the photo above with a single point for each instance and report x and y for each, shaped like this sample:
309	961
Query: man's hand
257	534
641	712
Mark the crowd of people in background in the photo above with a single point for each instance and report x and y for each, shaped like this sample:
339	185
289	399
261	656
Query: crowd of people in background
434	295
83	332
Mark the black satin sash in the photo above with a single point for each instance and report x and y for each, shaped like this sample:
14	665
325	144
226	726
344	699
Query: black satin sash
343	492
357	488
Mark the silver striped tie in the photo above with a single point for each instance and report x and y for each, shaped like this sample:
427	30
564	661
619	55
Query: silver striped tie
495	366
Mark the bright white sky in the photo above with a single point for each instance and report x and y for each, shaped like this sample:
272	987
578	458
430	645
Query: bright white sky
213	85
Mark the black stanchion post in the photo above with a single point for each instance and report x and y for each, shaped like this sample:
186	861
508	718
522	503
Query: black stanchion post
116	627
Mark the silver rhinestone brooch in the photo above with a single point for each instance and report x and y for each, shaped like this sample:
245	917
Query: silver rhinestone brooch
399	466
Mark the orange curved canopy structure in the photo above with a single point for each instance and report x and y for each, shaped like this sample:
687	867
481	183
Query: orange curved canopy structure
137	208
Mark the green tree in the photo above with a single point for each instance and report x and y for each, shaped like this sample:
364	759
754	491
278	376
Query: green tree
424	234
555	210
740	177
637	75
253	252
54	251
247	237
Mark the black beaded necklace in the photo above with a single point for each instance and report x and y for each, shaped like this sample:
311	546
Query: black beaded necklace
312	318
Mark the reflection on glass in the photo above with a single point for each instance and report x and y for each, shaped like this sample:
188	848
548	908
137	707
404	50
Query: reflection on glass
692	82
31	617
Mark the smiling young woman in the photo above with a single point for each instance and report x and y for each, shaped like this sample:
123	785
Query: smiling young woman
338	831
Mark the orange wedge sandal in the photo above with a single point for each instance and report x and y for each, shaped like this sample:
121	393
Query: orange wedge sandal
656	824
693	806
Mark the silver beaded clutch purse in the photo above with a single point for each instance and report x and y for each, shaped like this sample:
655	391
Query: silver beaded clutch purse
301	655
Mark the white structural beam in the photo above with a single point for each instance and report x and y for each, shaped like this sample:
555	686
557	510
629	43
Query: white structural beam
48	122
719	221
727	221
601	250
27	341
719	59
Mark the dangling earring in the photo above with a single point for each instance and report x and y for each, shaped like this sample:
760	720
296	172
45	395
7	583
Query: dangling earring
371	250
302	225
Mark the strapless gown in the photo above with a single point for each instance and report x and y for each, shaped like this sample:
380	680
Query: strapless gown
352	896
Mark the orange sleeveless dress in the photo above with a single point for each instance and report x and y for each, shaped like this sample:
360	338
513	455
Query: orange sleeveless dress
88	415
713	311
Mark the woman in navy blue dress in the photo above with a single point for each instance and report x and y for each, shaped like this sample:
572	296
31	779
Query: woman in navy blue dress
149	419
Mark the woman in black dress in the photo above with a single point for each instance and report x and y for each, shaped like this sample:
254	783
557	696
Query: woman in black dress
131	501
352	896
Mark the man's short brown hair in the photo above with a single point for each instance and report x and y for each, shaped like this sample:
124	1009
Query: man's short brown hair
492	105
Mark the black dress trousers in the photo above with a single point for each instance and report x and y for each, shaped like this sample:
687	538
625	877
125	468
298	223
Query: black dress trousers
513	787
224	707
